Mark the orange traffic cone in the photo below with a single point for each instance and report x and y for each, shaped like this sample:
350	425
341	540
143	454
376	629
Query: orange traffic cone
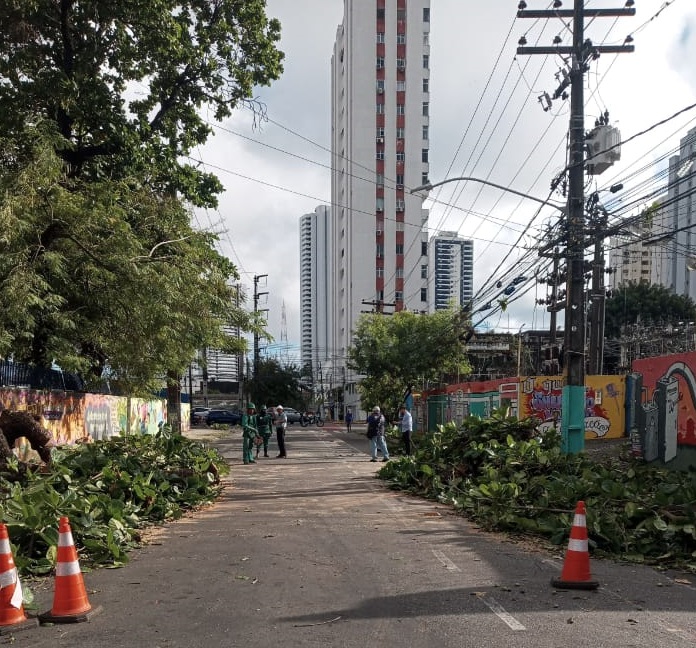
576	568
70	603
12	615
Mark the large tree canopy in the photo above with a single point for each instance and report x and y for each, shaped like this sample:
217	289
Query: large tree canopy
645	303
128	82
405	349
107	275
100	103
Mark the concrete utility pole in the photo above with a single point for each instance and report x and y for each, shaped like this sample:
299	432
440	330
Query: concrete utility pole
573	399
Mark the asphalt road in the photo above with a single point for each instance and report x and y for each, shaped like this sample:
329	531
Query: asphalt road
314	551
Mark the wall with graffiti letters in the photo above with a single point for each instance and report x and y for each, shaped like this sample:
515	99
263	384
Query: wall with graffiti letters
605	396
72	417
661	409
537	396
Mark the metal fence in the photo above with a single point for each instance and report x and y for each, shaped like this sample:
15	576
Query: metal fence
18	374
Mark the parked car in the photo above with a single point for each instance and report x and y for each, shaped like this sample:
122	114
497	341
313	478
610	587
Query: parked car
198	414
293	415
223	417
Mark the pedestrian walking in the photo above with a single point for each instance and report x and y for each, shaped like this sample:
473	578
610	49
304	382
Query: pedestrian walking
265	429
281	423
406	427
349	420
249	433
375	433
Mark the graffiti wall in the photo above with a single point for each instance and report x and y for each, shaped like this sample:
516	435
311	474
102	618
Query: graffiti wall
541	397
537	396
71	416
662	408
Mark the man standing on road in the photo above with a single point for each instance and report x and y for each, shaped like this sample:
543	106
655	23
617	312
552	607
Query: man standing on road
375	432
349	420
281	423
406	426
265	426
249	433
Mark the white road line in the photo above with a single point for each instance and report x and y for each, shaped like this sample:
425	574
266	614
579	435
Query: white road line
500	612
445	560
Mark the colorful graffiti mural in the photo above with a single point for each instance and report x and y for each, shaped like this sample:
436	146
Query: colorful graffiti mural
661	408
541	397
71	417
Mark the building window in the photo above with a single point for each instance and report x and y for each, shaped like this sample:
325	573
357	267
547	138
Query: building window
380	37
400	156
426	38
400	132
426	85
380	62
424	248
399	180
380	272
380	131
424	178
380	13
424	156
424	271
380	86
401	15
379	296
380	108
399	273
399	295
380	155
400	109
424	294
401	64
399	248
399	226
426	109
380	250
401	39
380	204
426	61
426	132
379	180
426	14
401	86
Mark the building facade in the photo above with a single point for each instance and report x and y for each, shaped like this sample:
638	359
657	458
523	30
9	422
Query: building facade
451	271
316	272
380	149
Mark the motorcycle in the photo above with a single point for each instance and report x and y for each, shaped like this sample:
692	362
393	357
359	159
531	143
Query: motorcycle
310	418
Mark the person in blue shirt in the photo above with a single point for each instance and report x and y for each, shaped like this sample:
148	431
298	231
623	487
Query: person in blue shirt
375	433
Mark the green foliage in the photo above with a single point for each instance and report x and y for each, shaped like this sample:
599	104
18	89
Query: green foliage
127	84
404	349
275	384
647	303
500	474
109	490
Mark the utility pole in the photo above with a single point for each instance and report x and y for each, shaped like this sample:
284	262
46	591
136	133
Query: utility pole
581	52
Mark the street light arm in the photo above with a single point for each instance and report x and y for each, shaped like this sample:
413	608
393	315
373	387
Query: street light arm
428	186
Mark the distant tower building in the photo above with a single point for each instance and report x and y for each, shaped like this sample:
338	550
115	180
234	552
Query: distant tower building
451	276
316	268
380	148
682	217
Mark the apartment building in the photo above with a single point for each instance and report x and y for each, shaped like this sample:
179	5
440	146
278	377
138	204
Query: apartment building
450	271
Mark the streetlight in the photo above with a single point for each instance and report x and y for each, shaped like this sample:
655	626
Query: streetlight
431	185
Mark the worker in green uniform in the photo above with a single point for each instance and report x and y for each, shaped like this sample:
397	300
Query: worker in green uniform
249	433
264	424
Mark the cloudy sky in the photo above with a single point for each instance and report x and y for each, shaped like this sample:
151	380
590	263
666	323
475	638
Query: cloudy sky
486	121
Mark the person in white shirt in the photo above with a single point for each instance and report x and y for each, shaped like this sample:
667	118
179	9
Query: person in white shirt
406	426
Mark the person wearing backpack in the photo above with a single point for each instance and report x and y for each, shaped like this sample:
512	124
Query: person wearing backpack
375	433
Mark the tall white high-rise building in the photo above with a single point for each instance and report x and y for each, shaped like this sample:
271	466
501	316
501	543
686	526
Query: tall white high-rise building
681	204
380	145
451	275
316	314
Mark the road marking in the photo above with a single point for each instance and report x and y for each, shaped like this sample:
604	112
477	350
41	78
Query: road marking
445	560
501	613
